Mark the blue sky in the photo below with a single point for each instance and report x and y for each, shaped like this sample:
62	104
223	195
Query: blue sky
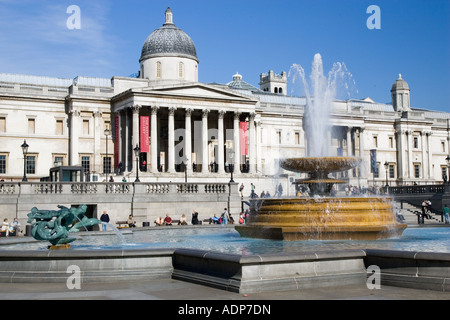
246	36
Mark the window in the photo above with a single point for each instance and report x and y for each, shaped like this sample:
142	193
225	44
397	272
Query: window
86	163
31	126
59	161
158	69
391	171
416	142
31	164
2	124
181	70
417	171
86	127
391	142
2	164
279	137
443	146
375	141
297	138
443	171
106	164
376	174
59	127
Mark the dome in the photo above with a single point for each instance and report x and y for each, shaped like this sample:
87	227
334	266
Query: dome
400	84
238	83
169	41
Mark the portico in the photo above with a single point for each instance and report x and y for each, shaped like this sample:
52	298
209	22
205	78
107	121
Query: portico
186	132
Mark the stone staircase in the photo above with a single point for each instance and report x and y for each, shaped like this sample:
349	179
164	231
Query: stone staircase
410	213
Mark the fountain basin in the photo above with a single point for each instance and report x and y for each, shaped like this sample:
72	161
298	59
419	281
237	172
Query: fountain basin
315	165
355	218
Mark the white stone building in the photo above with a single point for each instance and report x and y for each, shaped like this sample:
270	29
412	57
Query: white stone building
176	120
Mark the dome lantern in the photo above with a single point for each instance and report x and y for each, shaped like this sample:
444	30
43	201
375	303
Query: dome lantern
400	95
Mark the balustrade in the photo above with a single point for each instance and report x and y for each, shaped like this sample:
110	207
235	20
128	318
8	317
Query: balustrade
98	188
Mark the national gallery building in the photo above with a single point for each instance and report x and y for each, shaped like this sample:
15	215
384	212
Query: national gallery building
171	127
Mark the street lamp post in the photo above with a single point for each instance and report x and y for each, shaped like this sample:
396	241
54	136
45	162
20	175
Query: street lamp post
386	166
231	165
25	152
137	152
185	161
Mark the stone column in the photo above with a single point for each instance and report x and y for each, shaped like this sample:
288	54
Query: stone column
361	150
349	147
430	155
116	130
220	161
188	139
252	143
135	138
410	162
258	147
400	154
349	141
424	160
205	163
237	147
126	150
154	140
98	135
74	134
171	141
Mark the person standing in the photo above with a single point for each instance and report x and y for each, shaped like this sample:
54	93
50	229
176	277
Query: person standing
225	216
241	190
104	218
280	190
446	212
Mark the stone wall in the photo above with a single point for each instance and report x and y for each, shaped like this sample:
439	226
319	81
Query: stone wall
145	201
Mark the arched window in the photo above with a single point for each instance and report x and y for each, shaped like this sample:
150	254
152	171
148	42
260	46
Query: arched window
280	90
276	90
181	70
158	69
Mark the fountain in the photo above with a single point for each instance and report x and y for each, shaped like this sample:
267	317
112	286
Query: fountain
55	225
321	217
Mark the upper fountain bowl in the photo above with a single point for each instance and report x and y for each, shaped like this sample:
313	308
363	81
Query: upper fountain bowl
320	164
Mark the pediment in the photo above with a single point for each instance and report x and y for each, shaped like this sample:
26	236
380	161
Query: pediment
198	91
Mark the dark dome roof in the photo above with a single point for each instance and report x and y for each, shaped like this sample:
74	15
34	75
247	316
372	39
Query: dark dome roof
169	41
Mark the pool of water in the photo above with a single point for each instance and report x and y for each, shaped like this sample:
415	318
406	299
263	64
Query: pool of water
228	240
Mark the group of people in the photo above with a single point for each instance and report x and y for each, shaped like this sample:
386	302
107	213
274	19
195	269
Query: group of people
426	212
167	221
264	194
12	228
226	218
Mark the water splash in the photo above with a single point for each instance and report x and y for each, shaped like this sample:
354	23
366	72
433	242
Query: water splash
320	96
116	231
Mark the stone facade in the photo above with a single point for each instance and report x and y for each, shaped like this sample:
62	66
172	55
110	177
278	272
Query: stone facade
196	130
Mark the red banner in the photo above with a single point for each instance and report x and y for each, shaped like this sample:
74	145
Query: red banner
244	138
145	134
116	141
